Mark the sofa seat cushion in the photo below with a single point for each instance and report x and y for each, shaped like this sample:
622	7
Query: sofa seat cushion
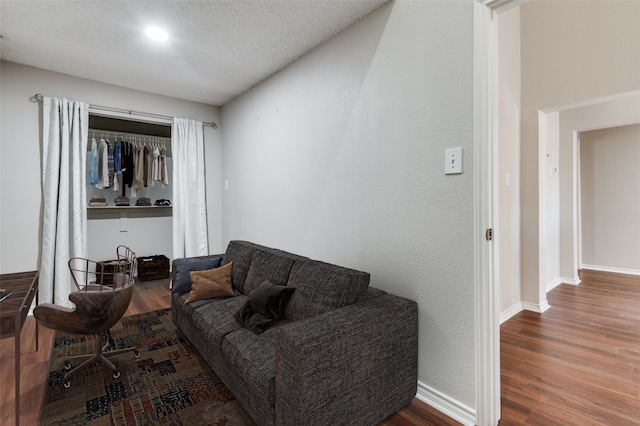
322	287
214	317
253	358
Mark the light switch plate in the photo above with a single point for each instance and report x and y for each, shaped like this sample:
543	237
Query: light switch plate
453	161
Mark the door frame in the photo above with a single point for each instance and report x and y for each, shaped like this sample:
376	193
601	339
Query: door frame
487	297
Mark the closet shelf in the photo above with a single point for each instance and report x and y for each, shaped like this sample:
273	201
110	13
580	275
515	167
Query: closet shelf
114	212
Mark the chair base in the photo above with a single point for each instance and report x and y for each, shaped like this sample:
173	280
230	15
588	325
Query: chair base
100	356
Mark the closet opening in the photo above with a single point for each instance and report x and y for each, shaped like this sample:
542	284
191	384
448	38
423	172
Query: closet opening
136	214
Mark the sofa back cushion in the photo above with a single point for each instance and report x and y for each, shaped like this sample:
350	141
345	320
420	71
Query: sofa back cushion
240	253
322	287
253	264
267	266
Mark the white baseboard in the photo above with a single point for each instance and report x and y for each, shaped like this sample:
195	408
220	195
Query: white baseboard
612	269
449	406
572	281
515	309
553	284
540	308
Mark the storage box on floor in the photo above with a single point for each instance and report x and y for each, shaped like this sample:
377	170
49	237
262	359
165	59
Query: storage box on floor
153	267
105	274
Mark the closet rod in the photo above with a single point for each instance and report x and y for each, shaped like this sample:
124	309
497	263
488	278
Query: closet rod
39	97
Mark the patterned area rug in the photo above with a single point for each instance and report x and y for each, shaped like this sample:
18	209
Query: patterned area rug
169	384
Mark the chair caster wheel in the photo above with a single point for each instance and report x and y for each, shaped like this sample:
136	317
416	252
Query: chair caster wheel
66	384
136	354
67	365
116	374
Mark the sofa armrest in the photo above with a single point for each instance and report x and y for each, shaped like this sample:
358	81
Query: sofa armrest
353	365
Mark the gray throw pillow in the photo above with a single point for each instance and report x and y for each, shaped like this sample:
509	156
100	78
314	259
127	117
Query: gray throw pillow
264	306
184	266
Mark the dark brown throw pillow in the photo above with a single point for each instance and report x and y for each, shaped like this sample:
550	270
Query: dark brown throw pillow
264	306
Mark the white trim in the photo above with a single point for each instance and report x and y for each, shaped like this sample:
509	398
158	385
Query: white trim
487	325
612	269
554	283
130	115
502	5
592	102
539	308
510	312
443	403
571	281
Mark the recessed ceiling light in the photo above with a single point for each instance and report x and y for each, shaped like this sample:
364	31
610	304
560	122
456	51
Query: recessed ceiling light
157	34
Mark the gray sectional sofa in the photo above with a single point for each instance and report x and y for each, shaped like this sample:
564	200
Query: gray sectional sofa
342	353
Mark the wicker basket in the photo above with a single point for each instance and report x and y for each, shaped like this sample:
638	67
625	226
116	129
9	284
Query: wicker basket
153	267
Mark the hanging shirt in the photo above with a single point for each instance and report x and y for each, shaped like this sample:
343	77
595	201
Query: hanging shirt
103	165
140	164
134	171
146	165
155	166
116	156
110	163
117	167
93	163
127	164
164	174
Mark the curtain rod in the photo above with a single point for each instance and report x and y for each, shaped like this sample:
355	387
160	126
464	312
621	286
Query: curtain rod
39	97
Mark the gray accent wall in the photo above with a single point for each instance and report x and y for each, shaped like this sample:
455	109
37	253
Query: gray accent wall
340	157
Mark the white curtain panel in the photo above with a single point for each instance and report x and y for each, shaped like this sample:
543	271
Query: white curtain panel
189	204
64	227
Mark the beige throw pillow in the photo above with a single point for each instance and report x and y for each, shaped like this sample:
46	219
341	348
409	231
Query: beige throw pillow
210	283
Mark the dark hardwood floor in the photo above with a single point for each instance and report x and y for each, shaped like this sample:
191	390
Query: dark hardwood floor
579	362
576	364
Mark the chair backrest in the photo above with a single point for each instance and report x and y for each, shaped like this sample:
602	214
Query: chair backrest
98	310
99	306
89	274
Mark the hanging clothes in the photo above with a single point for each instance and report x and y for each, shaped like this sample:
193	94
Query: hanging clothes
145	157
141	168
164	175
117	171
93	163
103	165
155	165
127	166
134	171
117	166
110	163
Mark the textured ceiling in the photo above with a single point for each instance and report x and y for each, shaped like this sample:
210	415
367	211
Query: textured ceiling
216	50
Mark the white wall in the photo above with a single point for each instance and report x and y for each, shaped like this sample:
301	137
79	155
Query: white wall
571	52
610	195
340	157
20	188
